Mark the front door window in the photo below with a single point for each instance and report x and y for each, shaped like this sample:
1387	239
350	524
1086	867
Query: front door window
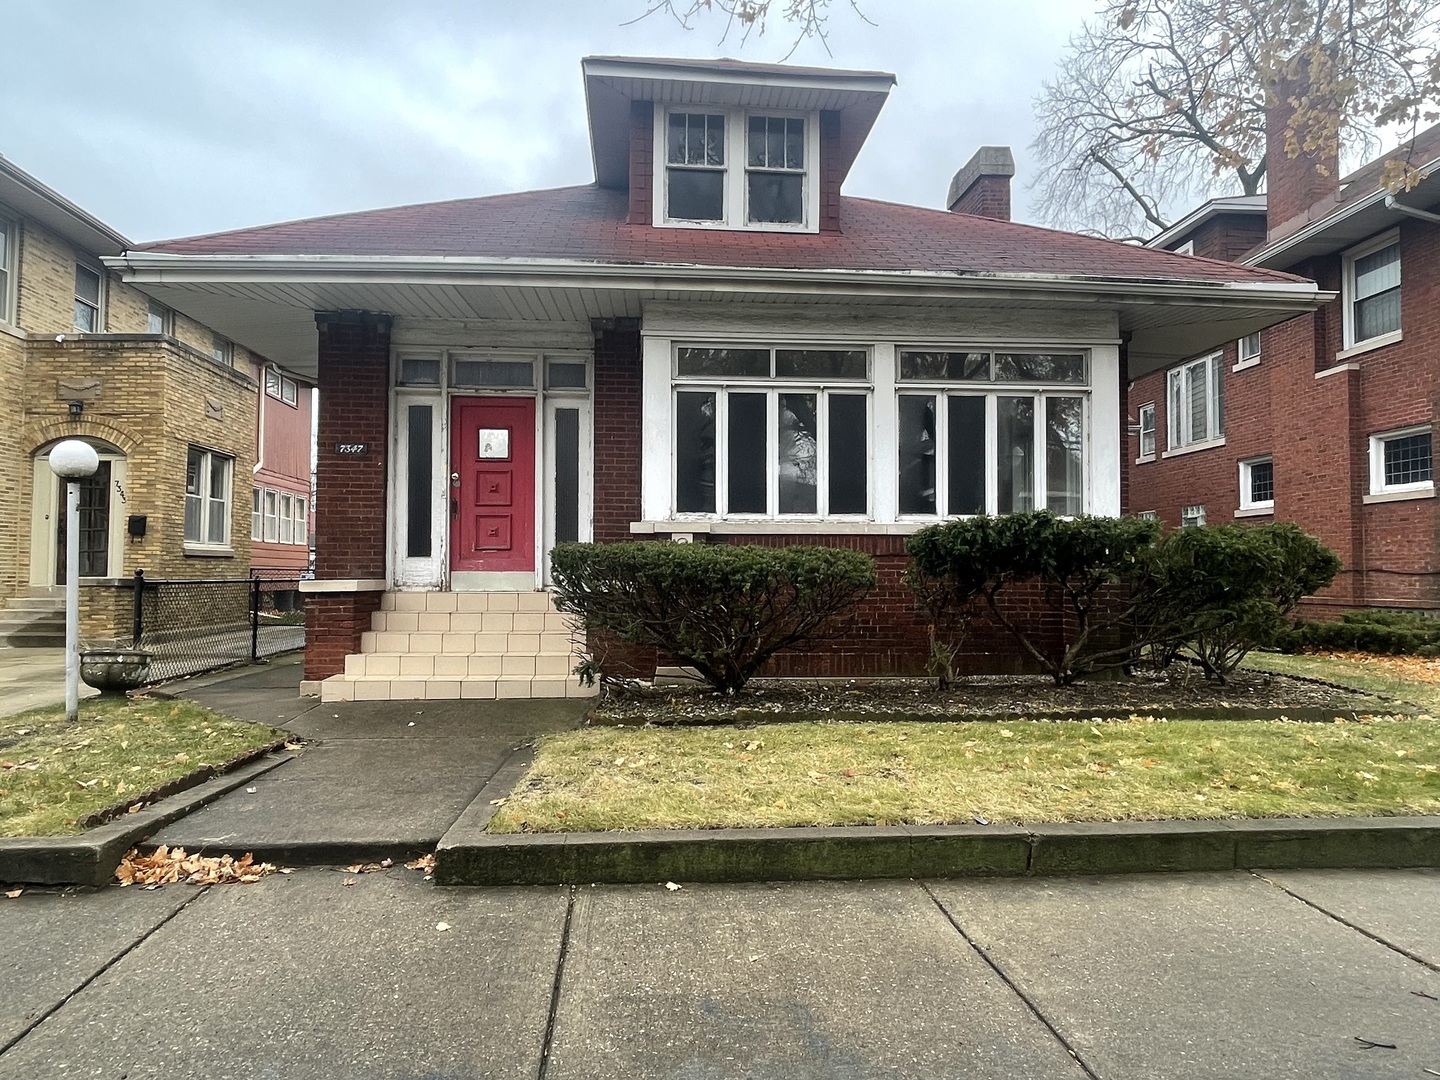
94	530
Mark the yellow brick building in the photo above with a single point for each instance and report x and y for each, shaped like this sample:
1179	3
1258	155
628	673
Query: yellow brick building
169	406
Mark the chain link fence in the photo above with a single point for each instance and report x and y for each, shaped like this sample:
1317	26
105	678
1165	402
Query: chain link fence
190	626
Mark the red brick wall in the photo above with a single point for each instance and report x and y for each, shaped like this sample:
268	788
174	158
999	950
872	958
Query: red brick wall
1228	236
1318	432
829	172
642	162
1295	183
617	428
988	196
350	495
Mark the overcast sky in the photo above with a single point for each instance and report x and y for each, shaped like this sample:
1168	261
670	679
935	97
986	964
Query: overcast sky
169	119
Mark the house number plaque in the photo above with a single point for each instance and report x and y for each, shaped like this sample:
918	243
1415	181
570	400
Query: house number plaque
492	444
352	449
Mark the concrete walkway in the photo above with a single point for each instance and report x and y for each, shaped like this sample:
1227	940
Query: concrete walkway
386	977
32	679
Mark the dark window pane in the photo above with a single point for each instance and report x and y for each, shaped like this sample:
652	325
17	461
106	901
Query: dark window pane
1407	459
419	426
799	454
714	362
714	140
749	451
567	475
775	143
1377	315
917	455
695	140
1064	455
420	372
675	143
87	285
1040	367
966	455
966	366
755	142
1015	464
1262	481
94	522
494	373
794	144
695	453
820	363
697	195
567	376
849	455
776	197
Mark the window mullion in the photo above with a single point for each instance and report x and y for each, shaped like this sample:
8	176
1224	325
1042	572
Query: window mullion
772	459
992	454
722	452
1040	478
822	452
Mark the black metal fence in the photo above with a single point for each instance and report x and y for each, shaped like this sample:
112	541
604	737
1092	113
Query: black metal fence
190	626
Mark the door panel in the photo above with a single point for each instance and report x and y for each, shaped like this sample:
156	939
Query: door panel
94	525
492	489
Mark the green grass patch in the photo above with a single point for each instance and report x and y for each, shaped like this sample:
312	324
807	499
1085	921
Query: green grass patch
1406	679
54	774
937	773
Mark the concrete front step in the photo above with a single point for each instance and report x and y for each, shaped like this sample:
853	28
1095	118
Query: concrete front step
36	603
470	622
382	688
399	665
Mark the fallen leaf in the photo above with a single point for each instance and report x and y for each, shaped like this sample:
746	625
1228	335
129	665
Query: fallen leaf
442	926
497	802
754	744
11	894
1006	733
349	881
250	790
670	885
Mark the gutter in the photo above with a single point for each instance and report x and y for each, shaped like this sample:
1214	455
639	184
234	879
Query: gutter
166	269
1411	211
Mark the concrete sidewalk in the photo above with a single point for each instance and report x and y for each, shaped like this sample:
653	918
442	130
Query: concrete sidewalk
1316	974
32	679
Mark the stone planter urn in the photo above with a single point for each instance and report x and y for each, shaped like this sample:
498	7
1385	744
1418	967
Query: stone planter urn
114	671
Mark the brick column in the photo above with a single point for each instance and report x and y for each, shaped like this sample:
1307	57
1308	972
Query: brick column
350	488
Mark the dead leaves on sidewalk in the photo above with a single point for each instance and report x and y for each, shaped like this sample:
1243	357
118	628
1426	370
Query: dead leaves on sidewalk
166	866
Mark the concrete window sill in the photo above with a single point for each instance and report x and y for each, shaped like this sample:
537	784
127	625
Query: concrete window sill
202	551
1256	511
1378	342
1194	448
1398	496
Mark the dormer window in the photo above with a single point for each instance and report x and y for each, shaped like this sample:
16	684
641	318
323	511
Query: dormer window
774	190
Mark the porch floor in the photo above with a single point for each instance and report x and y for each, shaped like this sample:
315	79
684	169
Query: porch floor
445	645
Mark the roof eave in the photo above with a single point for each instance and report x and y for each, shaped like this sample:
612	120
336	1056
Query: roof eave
30	197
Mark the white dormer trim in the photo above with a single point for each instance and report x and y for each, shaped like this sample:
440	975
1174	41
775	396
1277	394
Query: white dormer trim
736	209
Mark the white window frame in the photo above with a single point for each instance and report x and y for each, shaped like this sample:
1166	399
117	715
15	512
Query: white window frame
1247	500
302	521
9	264
158	312
206	510
1146	413
256	521
98	307
1187	248
280	387
1349	298
222	350
287	518
1180	436
1378	442
271	517
1192	517
735	208
1247	351
1148	515
772	387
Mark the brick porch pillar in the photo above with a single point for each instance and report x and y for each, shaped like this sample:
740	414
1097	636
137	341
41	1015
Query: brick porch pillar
350	487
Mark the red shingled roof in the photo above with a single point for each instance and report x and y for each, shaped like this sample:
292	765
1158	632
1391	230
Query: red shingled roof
588	224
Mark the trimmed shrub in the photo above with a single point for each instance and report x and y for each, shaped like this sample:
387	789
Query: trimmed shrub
1079	561
722	609
1389	633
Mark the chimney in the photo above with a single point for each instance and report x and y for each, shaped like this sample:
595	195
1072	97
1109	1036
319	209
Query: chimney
982	187
1294	184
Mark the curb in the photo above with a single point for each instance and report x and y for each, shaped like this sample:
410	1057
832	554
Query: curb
91	857
467	855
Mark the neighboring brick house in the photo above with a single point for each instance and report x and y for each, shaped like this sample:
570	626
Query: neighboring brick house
1325	420
168	404
710	342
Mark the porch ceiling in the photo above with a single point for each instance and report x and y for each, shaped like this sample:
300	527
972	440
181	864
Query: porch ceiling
273	312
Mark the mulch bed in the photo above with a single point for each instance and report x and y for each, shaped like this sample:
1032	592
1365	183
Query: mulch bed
1181	691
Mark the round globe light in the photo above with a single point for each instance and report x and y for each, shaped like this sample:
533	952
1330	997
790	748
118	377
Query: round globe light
74	460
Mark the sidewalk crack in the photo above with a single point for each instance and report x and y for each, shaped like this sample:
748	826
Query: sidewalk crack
555	987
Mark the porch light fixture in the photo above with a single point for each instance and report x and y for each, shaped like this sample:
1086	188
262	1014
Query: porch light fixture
76	408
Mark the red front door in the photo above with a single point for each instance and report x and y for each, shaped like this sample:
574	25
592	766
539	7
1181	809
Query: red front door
492	485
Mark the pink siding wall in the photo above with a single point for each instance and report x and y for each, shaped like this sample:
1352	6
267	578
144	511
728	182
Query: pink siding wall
284	442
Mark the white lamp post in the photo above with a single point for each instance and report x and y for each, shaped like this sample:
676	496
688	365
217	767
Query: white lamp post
72	461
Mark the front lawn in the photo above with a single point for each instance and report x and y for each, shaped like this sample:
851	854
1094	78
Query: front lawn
1413	679
931	773
54	774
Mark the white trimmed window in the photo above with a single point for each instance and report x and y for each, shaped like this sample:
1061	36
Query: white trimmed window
207	497
287	518
1257	484
763	432
1147	431
1372	290
1148	515
1195	402
255	517
159	319
1192	517
8	259
222	350
1247	352
280	386
1400	461
975	439
302	531
88	299
735	168
272	516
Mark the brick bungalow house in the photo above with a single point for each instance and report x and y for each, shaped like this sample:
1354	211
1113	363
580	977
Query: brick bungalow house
1325	420
169	404
709	342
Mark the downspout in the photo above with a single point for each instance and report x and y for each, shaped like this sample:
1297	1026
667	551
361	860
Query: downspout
1391	203
260	435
